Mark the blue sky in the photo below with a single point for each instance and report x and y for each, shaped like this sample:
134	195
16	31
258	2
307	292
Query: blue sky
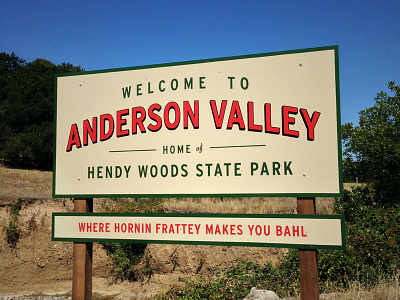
112	34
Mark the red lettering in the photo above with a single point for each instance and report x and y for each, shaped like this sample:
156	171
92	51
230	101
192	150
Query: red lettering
258	230
130	228
90	130
155	117
188	113
235	117
251	229
81	227
121	122
302	232
232	227
171	228
103	134
310	124
190	229
287	120
138	116
265	230
268	126
74	138
287	231
278	230
175	107
296	230
240	231
250	118
218	117
209	229
184	227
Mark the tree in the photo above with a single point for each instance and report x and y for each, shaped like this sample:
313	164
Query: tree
27	110
372	149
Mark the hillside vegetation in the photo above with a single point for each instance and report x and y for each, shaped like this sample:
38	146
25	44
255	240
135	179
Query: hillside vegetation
369	266
372	211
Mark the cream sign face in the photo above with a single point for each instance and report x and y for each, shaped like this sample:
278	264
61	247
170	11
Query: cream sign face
263	124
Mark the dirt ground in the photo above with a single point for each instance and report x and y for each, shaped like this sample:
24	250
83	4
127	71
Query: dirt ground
39	266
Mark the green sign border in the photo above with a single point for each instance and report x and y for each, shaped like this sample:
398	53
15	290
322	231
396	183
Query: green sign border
143	215
339	143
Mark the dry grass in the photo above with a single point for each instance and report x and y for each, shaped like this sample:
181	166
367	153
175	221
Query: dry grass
231	205
25	183
385	290
258	205
349	186
38	184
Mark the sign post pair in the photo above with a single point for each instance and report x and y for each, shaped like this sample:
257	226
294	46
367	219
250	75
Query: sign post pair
248	126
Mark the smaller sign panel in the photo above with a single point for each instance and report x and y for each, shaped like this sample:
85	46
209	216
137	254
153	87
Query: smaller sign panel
285	231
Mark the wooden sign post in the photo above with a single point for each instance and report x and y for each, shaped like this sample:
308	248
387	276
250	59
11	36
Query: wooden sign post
309	285
82	258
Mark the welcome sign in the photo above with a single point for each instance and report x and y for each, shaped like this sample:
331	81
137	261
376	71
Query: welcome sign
265	124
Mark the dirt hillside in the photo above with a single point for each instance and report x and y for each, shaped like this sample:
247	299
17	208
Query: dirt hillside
38	266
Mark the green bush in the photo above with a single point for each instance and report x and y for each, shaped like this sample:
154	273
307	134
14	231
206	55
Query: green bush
372	254
373	250
355	202
234	283
12	233
12	230
14	209
130	260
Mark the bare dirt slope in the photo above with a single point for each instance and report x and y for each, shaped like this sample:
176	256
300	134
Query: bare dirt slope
38	266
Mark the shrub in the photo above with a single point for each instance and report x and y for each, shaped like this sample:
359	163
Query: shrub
372	255
15	208
236	283
126	258
373	250
130	260
31	223
12	233
355	202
